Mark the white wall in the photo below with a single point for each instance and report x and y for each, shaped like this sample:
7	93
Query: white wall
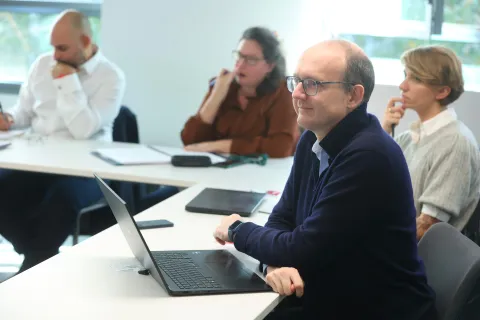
7	100
170	49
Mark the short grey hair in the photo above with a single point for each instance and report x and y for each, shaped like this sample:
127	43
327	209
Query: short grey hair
359	70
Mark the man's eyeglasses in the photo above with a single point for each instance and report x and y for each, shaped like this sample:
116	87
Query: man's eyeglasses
250	60
310	86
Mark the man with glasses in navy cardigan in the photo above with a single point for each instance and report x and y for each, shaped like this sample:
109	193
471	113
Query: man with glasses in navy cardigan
343	236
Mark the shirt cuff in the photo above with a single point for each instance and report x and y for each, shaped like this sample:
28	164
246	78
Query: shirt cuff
68	84
241	235
434	212
18	121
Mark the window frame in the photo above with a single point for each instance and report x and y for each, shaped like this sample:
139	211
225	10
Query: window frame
419	30
91	9
413	29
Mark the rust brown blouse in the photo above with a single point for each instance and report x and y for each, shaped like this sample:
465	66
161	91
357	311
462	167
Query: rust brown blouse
267	125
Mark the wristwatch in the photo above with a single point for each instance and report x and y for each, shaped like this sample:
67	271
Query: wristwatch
232	229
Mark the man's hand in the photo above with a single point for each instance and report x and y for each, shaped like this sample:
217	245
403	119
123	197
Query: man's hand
220	146
62	69
221	232
6	121
424	222
285	281
270	269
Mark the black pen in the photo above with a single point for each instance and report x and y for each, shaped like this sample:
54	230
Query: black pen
1	111
3	114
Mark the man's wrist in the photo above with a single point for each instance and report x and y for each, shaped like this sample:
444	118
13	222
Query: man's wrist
232	230
265	270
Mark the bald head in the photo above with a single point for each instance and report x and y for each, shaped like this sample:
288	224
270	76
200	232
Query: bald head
72	38
333	78
338	46
347	58
74	21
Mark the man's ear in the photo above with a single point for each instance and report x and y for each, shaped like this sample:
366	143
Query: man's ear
86	40
356	96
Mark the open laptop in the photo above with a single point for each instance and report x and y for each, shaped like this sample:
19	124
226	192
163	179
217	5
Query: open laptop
225	202
184	273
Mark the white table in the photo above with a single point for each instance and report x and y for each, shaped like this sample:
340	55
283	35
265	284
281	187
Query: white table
85	282
74	158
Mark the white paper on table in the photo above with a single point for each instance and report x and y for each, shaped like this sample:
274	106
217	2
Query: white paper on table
268	204
132	156
10	134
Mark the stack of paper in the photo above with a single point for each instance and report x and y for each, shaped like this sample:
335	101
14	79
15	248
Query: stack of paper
10	134
132	156
268	204
172	151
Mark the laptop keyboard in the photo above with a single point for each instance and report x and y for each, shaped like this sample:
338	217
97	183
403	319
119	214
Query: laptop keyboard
183	271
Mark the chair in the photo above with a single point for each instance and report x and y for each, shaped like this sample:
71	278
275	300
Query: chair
452	263
125	129
472	229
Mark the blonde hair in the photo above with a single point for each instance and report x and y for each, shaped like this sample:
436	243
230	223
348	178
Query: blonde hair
436	66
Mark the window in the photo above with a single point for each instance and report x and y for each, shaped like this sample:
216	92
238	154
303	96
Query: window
385	29
25	33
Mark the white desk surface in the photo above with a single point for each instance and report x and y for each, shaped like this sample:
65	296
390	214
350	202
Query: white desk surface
74	158
85	282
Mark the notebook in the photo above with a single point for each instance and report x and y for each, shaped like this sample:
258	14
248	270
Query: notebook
172	151
132	156
225	202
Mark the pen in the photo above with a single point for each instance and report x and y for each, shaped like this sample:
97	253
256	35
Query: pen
3	114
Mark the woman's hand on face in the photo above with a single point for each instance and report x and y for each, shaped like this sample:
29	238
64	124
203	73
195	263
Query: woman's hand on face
393	114
222	84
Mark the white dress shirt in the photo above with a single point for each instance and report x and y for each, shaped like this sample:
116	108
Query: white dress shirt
82	105
420	129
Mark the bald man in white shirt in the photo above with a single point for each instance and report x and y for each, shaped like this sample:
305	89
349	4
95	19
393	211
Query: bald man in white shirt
72	93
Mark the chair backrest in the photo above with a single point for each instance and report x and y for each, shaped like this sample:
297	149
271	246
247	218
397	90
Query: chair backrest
452	263
472	229
125	127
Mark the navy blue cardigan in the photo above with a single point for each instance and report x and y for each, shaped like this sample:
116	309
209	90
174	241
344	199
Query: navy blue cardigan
350	232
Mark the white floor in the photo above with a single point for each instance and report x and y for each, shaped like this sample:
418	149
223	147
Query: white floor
10	261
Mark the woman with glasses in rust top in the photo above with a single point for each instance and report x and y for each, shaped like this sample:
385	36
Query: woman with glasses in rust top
248	110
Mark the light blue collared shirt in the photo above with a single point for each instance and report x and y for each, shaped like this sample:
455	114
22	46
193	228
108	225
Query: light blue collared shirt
321	155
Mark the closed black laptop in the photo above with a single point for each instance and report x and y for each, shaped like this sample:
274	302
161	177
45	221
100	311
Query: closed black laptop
183	273
225	202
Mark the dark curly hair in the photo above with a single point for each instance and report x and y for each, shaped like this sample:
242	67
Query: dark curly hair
272	55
